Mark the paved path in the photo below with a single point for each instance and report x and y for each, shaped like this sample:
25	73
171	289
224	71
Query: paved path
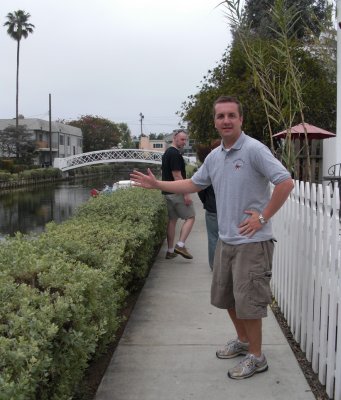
167	351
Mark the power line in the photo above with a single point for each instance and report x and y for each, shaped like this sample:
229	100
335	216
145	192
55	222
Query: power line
38	115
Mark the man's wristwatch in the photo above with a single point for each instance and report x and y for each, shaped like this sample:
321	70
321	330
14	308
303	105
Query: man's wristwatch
262	220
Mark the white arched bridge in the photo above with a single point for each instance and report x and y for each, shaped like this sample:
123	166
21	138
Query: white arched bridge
110	156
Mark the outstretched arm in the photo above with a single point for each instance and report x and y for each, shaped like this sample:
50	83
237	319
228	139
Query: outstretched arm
177	176
150	182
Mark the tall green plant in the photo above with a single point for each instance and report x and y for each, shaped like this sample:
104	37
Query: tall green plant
18	28
275	71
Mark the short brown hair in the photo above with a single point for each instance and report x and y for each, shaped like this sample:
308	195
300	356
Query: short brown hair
228	99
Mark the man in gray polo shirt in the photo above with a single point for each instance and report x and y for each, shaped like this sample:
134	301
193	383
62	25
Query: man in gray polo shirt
240	171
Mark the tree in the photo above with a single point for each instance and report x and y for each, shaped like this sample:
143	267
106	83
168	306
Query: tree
17	142
98	133
18	28
276	76
310	12
126	140
233	77
275	65
156	136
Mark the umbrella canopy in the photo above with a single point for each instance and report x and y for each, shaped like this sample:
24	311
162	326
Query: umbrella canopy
297	132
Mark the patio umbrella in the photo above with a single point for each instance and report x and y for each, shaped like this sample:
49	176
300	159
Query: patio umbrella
297	132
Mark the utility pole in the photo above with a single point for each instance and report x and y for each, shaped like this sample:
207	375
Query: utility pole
141	119
50	129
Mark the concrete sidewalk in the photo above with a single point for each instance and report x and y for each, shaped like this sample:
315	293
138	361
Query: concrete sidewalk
167	351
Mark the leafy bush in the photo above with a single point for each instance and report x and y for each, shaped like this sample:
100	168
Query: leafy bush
5	176
17	168
7	165
61	292
190	170
26	334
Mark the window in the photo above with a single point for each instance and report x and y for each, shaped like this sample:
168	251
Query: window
61	140
157	145
68	140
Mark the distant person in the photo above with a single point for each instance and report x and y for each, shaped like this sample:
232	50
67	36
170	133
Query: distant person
240	171
207	198
178	205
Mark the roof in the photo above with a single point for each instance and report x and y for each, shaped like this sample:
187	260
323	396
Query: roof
35	124
313	132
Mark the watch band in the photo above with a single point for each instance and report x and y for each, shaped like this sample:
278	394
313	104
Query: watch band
262	220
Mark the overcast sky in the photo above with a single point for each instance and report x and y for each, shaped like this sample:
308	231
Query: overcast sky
111	58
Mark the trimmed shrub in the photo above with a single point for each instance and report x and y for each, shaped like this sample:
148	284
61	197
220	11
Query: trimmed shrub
27	332
61	292
5	176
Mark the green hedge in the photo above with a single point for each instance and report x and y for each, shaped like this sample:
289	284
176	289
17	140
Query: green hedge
40	173
5	176
60	293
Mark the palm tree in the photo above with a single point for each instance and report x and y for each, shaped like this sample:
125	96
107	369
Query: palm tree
18	28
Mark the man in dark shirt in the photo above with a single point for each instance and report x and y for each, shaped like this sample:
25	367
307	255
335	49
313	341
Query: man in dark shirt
207	198
178	205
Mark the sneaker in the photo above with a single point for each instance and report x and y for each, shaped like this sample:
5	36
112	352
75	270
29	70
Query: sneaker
232	349
169	255
248	366
183	252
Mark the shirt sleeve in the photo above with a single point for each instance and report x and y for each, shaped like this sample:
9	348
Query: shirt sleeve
269	166
202	177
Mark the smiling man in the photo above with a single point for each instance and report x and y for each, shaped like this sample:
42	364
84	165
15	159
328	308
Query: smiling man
240	170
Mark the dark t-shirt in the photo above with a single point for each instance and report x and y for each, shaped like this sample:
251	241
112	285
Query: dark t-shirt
172	160
207	197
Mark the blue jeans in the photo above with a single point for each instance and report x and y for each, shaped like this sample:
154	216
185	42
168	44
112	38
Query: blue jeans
212	235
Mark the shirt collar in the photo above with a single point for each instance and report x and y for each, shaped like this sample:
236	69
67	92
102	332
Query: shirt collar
237	145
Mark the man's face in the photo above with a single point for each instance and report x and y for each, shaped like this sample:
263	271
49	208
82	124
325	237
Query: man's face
180	140
228	122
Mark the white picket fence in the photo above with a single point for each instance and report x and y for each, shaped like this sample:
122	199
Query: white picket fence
307	277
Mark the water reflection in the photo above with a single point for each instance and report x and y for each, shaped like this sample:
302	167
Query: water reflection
30	209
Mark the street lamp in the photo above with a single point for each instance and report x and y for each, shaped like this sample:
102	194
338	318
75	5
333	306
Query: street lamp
141	119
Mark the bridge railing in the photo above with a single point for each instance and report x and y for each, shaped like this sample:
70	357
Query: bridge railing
110	156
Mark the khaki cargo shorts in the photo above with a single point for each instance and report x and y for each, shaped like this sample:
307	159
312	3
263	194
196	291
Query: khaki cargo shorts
241	278
177	208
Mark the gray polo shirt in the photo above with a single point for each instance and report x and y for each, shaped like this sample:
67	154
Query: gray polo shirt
241	179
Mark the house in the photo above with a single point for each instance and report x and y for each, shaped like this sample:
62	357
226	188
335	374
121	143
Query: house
152	144
66	140
163	144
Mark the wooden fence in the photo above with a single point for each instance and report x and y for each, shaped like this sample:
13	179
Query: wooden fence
307	277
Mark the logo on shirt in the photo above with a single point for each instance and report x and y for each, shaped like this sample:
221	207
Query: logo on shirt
238	164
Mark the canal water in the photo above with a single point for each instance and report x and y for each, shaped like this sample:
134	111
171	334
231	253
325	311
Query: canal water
29	209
